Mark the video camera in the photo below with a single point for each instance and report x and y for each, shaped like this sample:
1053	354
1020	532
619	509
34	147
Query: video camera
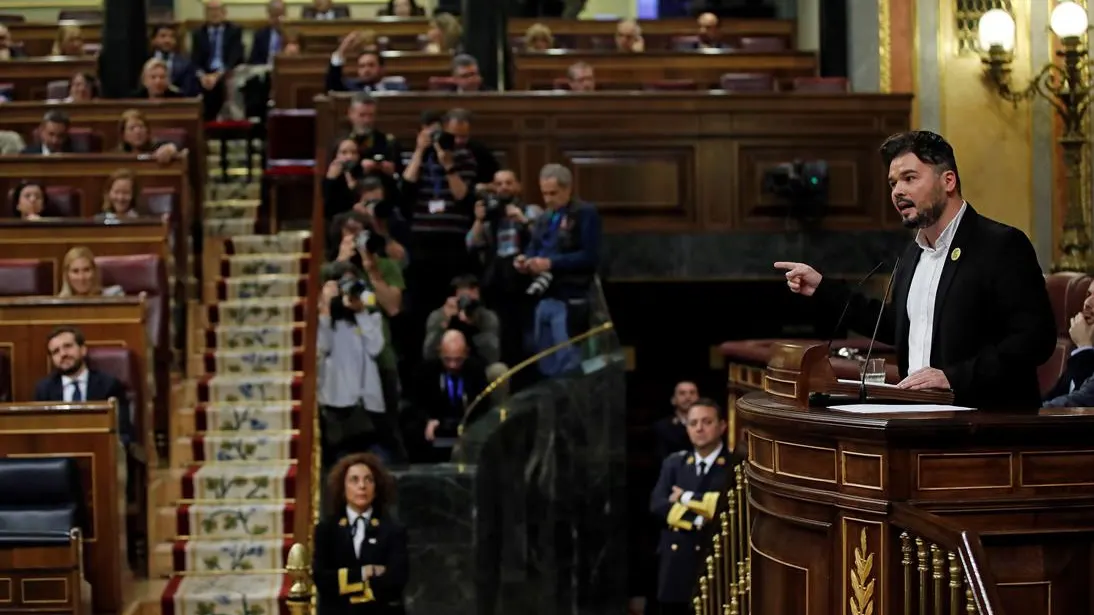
798	180
467	305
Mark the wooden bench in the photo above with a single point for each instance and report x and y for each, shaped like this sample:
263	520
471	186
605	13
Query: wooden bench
296	80
86	433
321	36
671	162
30	77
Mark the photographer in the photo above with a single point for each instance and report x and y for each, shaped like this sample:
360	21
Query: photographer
444	387
500	233
464	312
351	230
379	151
340	182
386	219
351	393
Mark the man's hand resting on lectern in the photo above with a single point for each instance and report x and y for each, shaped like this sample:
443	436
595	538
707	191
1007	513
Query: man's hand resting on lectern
926	378
801	278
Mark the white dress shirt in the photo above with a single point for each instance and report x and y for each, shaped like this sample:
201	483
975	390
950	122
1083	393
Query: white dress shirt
68	385
327	15
358	532
923	292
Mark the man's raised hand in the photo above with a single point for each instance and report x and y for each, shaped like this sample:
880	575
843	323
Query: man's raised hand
800	278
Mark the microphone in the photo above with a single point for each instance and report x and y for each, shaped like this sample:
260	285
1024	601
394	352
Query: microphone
873	338
847	304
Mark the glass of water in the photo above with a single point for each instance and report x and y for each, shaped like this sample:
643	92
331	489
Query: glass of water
874	371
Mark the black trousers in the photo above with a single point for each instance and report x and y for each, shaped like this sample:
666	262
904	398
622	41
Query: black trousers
212	100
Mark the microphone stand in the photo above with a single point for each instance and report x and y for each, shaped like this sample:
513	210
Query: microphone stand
870	349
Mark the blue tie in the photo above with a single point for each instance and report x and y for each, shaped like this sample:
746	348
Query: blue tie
275	44
217	63
77	394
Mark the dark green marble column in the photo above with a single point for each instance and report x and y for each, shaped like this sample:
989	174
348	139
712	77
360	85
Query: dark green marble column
125	46
485	36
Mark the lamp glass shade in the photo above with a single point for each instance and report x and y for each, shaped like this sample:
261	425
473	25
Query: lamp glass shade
1068	20
996	28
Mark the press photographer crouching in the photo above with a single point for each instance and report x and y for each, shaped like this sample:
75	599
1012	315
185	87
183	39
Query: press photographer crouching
500	233
444	388
355	411
464	312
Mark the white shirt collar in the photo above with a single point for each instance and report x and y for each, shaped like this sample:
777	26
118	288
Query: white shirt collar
81	379
709	459
946	237
351	515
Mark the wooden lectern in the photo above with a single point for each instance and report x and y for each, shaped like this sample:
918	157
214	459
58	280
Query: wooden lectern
803	372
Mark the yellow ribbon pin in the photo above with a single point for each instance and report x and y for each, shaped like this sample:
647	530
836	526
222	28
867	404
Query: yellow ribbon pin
956	254
690	460
375	522
343	522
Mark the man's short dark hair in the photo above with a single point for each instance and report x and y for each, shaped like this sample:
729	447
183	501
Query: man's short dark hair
457	115
363	98
464	282
54	116
431	117
463	60
929	147
160	28
58	331
706	402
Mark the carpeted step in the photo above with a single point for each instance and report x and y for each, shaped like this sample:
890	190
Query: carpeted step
234	208
292	242
226	594
234	483
221	522
257	313
229	227
264	264
249	447
261	287
247	418
239	362
250	338
249	389
220	556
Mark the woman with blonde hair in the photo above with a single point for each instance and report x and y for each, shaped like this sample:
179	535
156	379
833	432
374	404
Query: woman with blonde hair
444	34
120	196
135	138
155	82
81	276
69	42
538	37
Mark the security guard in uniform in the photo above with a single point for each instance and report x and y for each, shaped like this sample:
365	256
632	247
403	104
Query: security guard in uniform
685	499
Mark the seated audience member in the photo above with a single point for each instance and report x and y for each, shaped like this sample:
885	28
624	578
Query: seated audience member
580	77
217	48
82	87
137	139
445	387
351	394
464	312
628	37
269	40
8	50
11	143
501	231
402	8
73	380
52	135
81	277
370	70
360	561
710	37
1072	389
670	433
340	182
69	42
154	82
684	500
28	200
180	70
120	196
562	258
465	72
324	10
443	35
538	37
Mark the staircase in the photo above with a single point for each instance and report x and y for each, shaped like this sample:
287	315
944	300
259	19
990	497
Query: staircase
224	511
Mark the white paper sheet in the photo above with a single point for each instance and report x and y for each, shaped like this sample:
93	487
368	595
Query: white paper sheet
869	384
897	408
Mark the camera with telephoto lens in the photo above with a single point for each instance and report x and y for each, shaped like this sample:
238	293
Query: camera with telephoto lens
467	304
372	242
494	203
444	140
353	287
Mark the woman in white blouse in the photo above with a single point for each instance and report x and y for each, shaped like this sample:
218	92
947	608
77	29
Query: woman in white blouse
82	277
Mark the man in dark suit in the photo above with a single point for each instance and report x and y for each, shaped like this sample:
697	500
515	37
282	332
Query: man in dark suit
324	10
969	310
270	39
670	433
218	48
370	70
73	381
445	387
180	69
52	135
685	500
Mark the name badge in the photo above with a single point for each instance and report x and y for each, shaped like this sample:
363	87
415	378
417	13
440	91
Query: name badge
436	206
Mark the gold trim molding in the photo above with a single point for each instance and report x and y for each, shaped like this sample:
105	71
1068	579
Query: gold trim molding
862	581
884	46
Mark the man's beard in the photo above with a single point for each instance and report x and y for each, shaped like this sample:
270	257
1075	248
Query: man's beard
75	369
926	217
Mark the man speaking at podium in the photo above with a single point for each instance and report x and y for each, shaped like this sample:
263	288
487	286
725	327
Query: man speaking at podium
969	309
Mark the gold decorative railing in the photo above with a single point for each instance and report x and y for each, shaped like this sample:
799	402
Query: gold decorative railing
725	585
300	598
944	567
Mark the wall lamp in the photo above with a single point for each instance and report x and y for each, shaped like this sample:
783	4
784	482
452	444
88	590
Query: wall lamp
1067	87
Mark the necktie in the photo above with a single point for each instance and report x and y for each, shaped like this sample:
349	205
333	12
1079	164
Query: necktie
358	534
77	394
702	465
217	62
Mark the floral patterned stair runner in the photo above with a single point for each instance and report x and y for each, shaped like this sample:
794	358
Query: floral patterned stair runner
235	451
